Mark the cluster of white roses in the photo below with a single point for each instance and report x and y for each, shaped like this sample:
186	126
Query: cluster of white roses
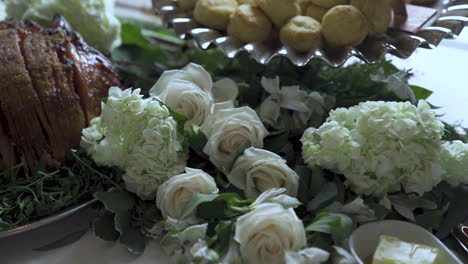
140	137
381	147
271	232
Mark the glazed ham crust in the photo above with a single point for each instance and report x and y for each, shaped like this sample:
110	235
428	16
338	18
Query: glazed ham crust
51	85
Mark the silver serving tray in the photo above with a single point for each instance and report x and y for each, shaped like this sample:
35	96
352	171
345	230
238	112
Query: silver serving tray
47	220
451	18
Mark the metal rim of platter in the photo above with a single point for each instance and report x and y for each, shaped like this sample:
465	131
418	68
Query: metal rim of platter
449	21
47	220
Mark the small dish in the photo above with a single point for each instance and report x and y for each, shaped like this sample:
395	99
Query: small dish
461	234
364	240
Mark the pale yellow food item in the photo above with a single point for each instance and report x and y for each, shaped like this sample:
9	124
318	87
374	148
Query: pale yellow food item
391	250
246	2
302	33
280	11
377	12
329	3
186	4
249	24
214	13
344	25
316	12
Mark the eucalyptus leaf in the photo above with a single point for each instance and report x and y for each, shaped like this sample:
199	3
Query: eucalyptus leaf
104	227
327	194
122	221
116	201
134	240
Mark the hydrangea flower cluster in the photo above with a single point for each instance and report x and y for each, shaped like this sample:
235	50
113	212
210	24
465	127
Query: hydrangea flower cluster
139	136
380	147
455	162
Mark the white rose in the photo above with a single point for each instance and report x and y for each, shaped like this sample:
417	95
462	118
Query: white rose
192	72
307	256
176	192
258	170
188	92
269	231
228	130
188	99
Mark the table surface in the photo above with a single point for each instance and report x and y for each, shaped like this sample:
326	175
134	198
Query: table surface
442	70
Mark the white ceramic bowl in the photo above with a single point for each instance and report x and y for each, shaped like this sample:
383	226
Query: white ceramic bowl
364	240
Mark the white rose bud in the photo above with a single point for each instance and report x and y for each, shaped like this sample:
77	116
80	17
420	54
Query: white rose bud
175	193
229	129
269	231
258	170
188	92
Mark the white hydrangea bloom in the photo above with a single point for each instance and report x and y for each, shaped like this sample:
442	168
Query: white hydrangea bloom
379	147
139	136
455	162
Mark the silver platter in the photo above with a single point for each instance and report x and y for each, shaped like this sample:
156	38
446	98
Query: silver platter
47	220
451	18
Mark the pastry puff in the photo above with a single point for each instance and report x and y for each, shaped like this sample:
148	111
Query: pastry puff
329	3
344	25
249	24
302	33
280	11
186	4
214	13
377	12
316	12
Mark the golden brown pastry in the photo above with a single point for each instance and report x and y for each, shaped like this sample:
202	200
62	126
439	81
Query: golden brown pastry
377	12
344	25
214	13
186	4
280	11
246	2
302	33
316	12
249	24
329	3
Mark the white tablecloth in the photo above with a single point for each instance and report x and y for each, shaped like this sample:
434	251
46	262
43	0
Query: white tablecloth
442	70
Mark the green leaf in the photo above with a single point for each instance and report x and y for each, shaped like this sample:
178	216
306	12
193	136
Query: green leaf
131	35
196	200
116	201
337	225
122	221
134	240
325	196
197	139
380	211
457	212
216	209
420	92
64	241
224	232
104	227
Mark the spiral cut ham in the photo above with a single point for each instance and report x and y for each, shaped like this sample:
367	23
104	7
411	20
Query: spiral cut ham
51	85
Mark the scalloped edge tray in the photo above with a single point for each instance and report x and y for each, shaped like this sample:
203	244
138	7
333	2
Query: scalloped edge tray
447	23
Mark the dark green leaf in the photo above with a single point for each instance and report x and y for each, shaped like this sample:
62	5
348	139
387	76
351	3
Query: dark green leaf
325	196
457	212
216	209
337	225
104	227
134	240
197	140
196	200
421	93
122	221
224	232
379	210
116	201
64	241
